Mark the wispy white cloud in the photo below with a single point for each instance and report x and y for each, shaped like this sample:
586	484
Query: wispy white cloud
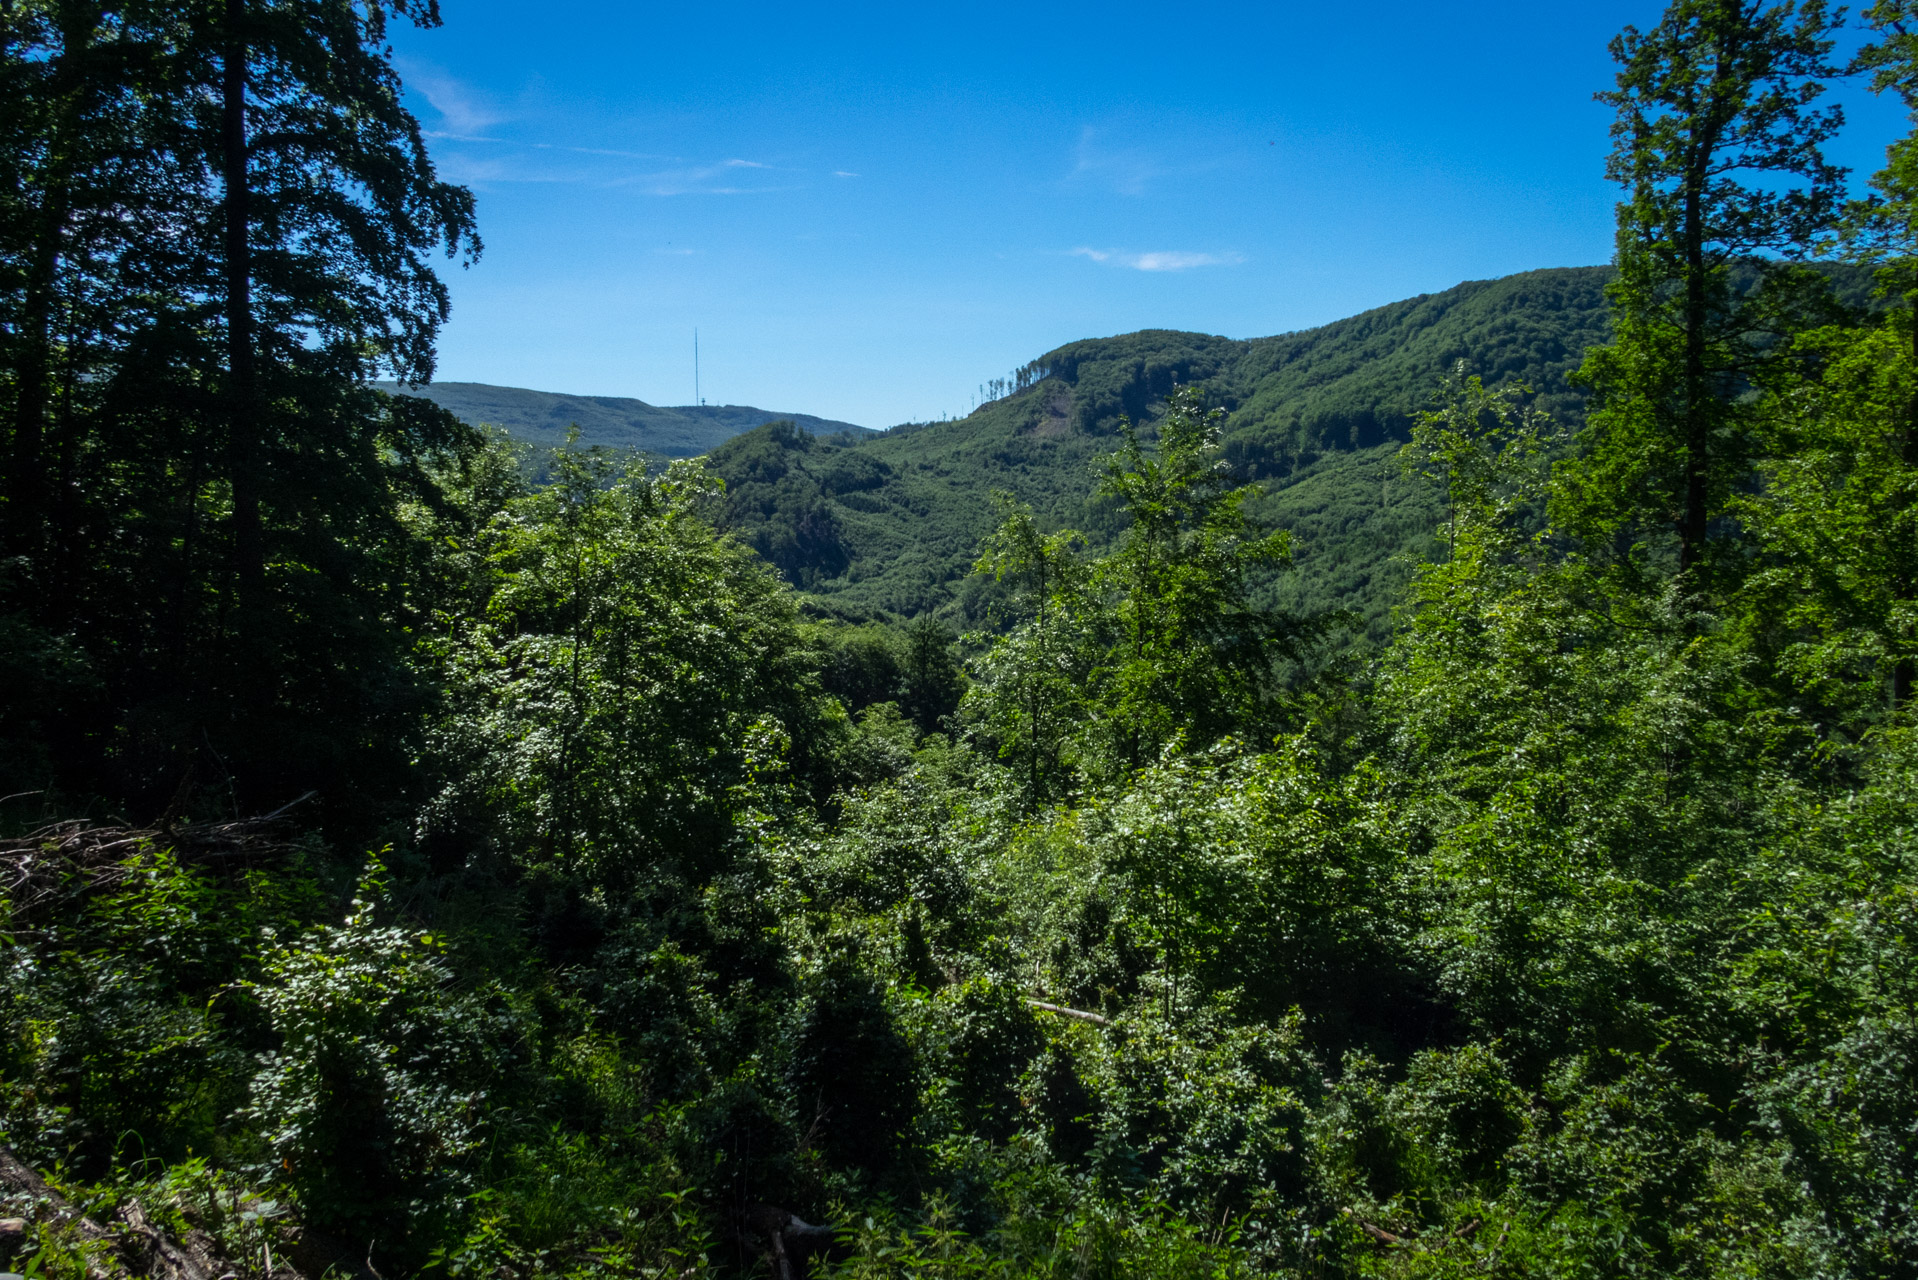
843	173
475	167
500	160
489	153
1127	170
598	151
1160	259
462	109
718	179
1174	260
1131	170
447	135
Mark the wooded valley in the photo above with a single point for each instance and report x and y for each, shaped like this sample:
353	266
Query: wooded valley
1430	796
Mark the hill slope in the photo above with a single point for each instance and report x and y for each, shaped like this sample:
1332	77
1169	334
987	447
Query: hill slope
544	417
891	522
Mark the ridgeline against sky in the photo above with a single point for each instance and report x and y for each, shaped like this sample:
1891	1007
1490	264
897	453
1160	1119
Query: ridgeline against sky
868	211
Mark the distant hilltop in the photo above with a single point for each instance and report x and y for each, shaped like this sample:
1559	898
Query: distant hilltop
544	417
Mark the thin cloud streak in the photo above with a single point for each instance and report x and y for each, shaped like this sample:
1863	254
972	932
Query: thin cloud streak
1135	171
698	180
441	135
1160	260
1129	170
686	179
463	109
468	117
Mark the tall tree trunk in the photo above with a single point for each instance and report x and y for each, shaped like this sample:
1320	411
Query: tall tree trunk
1903	674
27	467
67	554
1691	530
1041	755
27	479
249	543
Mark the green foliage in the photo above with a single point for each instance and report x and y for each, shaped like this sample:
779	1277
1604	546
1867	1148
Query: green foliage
1483	447
1833	591
776	498
1079	1243
852	1075
543	418
1193	657
983	1039
626	685
1257	873
1719	146
196	270
371	1107
1158	642
1030	693
1315	415
913	666
126	1027
889	851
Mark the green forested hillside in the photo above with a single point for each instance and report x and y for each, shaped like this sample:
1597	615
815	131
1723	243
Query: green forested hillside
418	864
544	418
891	523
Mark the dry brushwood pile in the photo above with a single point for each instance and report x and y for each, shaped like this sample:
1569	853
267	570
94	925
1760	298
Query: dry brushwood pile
128	1244
48	879
62	861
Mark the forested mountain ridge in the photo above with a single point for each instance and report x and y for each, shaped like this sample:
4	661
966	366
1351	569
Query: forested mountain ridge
545	418
890	522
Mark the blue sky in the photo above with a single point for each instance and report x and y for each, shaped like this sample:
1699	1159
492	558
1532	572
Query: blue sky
868	211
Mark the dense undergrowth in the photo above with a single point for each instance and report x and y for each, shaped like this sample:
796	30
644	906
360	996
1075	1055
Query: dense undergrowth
617	913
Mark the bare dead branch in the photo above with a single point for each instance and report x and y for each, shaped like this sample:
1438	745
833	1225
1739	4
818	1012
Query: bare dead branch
1096	1019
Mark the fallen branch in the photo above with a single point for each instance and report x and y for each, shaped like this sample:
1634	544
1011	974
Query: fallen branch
164	1257
784	1230
104	1259
1378	1233
1491	1259
1096	1019
73	858
137	1248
